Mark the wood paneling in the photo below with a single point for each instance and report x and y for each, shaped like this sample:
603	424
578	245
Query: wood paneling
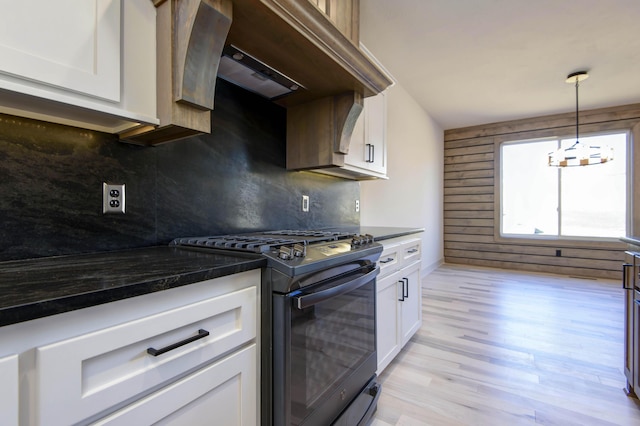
472	197
509	348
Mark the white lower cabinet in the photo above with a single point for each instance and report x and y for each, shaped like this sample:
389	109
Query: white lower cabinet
411	304
9	390
182	356
222	393
388	314
399	298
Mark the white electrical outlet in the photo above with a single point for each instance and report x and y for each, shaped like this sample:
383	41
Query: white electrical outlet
112	198
305	203
357	206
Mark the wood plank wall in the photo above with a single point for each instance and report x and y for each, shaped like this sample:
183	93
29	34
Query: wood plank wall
472	196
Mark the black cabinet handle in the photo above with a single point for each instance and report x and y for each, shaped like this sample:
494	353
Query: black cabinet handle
369	153
624	276
156	352
412	251
405	289
387	260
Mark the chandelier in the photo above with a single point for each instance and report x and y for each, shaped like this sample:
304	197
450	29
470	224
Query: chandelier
579	154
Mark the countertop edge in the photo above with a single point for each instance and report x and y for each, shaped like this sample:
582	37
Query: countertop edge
630	240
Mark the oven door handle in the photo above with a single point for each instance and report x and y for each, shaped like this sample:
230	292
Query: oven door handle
307	300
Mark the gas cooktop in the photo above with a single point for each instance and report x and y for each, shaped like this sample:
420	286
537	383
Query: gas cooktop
291	251
261	242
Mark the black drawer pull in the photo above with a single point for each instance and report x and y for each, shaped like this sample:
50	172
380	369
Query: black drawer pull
412	251
624	276
155	352
387	260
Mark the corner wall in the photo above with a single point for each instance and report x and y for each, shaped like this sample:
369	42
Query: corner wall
412	197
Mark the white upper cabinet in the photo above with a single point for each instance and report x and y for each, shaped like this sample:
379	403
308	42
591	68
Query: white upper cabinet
87	63
368	149
70	44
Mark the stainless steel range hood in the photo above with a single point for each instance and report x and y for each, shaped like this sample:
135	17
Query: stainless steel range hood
241	69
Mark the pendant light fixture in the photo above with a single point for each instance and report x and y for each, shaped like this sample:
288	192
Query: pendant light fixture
579	154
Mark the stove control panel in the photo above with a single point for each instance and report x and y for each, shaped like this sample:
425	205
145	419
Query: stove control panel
359	240
312	252
292	251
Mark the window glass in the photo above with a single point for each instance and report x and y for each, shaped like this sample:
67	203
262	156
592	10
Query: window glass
581	201
529	189
594	198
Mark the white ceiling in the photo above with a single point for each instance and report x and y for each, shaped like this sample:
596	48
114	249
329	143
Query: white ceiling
469	62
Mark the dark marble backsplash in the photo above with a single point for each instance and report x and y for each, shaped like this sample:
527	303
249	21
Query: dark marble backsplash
233	180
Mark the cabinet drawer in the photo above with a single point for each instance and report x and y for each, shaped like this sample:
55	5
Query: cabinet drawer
389	259
411	251
9	390
82	376
225	391
399	253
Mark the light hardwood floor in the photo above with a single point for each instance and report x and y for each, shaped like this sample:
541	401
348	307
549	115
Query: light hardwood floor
501	347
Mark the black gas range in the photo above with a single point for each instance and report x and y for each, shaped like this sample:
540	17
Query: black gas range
318	330
293	252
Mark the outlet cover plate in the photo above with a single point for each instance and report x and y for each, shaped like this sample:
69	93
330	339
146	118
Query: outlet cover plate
113	198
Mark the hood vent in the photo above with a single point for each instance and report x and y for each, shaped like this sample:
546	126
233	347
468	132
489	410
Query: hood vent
241	69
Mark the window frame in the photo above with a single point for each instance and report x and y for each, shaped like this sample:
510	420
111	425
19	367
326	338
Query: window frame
549	135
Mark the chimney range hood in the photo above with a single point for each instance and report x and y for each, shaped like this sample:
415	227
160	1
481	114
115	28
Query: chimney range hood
319	67
241	69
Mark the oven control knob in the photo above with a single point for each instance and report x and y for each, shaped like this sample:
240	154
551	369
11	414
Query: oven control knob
285	253
299	250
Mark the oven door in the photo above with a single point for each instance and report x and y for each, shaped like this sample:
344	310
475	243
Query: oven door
324	349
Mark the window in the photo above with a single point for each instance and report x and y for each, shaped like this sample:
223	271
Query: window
538	201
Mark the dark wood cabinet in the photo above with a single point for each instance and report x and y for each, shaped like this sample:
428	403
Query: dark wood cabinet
628	284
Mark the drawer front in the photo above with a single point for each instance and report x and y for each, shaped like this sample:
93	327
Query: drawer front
224	393
9	390
389	261
411	251
82	376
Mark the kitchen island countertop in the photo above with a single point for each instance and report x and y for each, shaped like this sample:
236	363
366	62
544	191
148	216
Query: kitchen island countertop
36	288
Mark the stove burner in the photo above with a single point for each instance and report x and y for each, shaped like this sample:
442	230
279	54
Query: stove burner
249	244
265	241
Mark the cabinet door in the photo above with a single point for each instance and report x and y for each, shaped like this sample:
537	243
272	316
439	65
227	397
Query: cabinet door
9	390
375	131
628	285
368	146
71	44
411	308
387	321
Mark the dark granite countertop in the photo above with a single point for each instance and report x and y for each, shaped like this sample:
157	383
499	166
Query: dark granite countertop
36	288
379	233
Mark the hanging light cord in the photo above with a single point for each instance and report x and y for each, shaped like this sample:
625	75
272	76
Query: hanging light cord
577	121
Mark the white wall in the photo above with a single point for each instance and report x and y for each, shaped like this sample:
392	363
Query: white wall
413	195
